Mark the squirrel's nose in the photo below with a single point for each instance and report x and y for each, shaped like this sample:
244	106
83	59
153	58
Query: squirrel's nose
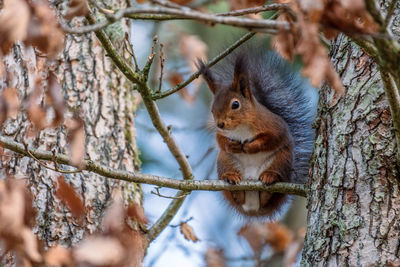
221	125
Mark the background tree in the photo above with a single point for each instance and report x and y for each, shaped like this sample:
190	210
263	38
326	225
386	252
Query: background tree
98	109
353	201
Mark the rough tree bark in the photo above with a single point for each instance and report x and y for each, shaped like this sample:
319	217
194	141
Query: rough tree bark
103	97
354	199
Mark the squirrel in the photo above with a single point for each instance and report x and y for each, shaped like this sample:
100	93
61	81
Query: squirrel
263	111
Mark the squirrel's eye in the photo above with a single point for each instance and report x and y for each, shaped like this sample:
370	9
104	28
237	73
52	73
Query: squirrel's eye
235	104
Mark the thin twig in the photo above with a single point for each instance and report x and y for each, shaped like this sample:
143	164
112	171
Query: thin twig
150	59
129	49
178	225
255	10
162	60
157	193
45	165
168	4
211	63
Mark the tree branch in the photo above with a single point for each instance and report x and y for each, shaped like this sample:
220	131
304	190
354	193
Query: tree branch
393	95
211	63
152	109
189	185
386	53
182	14
239	12
255	10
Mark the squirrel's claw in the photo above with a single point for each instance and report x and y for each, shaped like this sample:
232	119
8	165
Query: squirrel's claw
268	177
232	177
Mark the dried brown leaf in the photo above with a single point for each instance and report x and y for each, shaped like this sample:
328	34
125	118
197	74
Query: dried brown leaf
16	214
181	2
44	31
251	232
188	233
284	41
55	99
36	114
135	248
277	235
350	17
3	111
30	244
136	213
175	78
77	8
273	233
113	220
12	206
9	104
303	38
333	80
294	248
11	98
292	253
76	139
192	48
14	21
67	194
100	251
353	5
215	258
58	256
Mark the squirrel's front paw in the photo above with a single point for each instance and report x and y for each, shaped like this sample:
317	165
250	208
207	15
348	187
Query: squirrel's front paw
269	177
234	147
231	177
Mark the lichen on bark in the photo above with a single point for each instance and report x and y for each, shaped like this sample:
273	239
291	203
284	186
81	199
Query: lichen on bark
354	201
102	96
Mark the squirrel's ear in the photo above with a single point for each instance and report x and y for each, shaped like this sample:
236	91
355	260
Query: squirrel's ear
241	81
208	76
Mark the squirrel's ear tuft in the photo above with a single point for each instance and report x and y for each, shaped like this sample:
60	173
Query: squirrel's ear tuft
208	76
241	81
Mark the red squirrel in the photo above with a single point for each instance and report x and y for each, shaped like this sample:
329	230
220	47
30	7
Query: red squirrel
263	117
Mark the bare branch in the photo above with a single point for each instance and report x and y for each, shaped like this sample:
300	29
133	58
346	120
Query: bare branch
56	169
212	62
185	186
162	60
152	109
157	193
129	49
169	4
393	96
255	10
390	13
150	59
182	13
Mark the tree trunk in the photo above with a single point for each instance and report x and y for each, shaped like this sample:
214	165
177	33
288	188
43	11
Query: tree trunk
102	96
354	200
